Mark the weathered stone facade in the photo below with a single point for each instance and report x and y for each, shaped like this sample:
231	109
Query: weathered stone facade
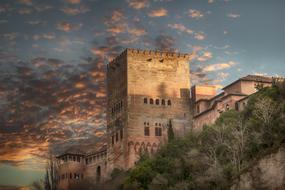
146	89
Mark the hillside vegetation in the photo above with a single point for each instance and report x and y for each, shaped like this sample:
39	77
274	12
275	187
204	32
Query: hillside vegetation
218	154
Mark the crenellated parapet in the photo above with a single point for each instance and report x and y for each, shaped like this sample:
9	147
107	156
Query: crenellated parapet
150	54
158	54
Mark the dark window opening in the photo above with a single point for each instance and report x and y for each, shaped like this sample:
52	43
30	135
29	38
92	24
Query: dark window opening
145	100
158	131
169	102
198	109
146	131
162	102
151	101
117	137
98	173
157	101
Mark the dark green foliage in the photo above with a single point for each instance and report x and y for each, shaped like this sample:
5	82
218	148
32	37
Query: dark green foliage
170	132
212	158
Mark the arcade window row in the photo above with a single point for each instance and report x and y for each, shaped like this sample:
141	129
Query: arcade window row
152	101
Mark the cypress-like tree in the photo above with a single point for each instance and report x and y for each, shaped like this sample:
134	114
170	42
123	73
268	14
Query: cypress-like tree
170	131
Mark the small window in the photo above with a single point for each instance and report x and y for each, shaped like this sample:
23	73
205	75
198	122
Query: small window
145	100
144	123
169	102
157	101
151	101
86	160
158	131
162	102
70	175
146	131
78	159
147	123
117	137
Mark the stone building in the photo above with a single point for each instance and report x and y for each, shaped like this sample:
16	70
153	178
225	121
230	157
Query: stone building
146	92
208	106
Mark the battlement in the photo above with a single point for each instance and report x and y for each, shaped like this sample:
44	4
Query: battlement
150	54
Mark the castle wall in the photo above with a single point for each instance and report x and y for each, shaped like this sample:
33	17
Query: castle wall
158	91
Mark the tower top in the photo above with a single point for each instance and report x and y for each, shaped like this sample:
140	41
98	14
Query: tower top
152	54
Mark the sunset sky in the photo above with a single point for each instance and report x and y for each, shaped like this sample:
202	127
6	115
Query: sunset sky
53	57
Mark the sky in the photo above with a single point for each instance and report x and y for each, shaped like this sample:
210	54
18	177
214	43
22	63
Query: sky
53	57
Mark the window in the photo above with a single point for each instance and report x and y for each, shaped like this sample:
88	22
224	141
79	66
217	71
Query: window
158	131
145	100
70	175
227	107
162	102
117	137
169	102
121	134
78	159
157	101
151	101
146	131
86	161
74	158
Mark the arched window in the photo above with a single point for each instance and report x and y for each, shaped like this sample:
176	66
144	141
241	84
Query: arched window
157	101
98	173
151	101
162	102
145	100
169	102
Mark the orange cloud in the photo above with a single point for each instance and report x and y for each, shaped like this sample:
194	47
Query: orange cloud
205	56
195	13
219	66
181	28
75	11
67	27
138	4
137	31
158	12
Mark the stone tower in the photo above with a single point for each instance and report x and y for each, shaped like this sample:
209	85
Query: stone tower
147	90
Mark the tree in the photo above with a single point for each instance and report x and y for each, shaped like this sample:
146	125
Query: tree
170	132
51	177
